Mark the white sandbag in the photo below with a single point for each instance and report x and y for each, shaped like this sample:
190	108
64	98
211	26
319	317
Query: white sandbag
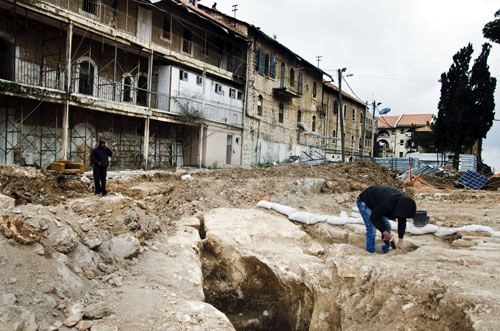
305	217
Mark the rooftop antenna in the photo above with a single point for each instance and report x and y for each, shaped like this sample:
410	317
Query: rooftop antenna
318	58
235	9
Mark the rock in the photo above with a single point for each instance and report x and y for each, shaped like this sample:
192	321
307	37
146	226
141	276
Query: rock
72	320
15	228
17	318
125	246
7	202
39	249
63	239
97	311
84	325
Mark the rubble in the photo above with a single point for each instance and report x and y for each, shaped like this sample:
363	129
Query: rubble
163	253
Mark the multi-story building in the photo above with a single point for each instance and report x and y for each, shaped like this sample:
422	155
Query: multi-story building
162	84
290	111
396	134
166	83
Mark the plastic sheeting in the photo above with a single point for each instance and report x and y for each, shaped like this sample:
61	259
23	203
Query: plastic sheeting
355	218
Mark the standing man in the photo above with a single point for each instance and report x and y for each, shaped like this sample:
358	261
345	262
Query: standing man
378	204
99	159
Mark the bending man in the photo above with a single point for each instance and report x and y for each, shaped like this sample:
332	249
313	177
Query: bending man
378	204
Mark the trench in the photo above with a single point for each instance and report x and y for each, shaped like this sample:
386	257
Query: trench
253	297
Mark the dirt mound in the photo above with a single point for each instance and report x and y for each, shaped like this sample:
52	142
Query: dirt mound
29	185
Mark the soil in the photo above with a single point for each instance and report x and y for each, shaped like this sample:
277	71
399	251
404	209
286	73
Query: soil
149	204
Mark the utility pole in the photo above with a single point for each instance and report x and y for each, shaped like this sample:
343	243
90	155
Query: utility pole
375	104
363	135
341	114
318	58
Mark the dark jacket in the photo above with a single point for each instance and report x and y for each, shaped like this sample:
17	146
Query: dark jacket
99	156
389	203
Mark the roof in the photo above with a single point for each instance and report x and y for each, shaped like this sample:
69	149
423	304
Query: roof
344	94
405	120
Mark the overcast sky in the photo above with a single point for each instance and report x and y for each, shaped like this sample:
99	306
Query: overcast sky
395	49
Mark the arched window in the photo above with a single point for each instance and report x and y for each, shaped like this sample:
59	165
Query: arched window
86	78
334	136
299	115
335	106
314	90
292	77
282	75
142	91
314	124
260	102
354	114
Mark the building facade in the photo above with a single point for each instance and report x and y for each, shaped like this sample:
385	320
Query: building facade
396	134
166	83
159	83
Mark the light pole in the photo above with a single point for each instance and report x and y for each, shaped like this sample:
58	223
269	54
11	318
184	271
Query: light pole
375	104
341	114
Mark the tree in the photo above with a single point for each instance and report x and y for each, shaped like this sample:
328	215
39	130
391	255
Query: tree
466	107
491	30
452	120
483	108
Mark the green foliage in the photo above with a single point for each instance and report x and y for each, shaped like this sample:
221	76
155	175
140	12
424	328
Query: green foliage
491	30
214	166
264	165
466	106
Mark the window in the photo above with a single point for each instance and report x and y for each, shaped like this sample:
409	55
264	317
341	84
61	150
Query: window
335	106
166	26
260	102
401	142
186	41
353	142
232	93
299	115
314	90
199	80
300	85
260	62
292	77
400	154
345	111
142	91
272	68
183	75
127	89
239	95
314	124
218	89
86	78
6	60
266	64
334	134
354	115
90	6
281	113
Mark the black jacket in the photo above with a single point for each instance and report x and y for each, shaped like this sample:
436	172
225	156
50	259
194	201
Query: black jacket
390	203
99	156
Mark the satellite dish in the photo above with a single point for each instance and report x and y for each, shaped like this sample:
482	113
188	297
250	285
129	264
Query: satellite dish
384	111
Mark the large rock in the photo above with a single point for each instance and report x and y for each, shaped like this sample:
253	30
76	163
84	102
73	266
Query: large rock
125	246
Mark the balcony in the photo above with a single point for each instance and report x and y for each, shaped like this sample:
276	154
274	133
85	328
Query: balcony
285	93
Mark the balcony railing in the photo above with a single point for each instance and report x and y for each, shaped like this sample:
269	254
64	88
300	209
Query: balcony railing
97	11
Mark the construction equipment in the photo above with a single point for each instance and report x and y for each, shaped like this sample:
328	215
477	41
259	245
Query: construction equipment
67	167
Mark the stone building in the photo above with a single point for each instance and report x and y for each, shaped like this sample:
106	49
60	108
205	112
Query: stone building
396	134
167	83
164	86
290	111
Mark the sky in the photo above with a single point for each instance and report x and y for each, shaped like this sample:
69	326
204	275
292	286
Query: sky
396	50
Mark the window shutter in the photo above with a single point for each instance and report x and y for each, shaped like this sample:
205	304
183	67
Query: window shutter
262	62
272	69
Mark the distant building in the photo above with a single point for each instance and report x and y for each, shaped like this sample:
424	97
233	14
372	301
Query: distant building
396	134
